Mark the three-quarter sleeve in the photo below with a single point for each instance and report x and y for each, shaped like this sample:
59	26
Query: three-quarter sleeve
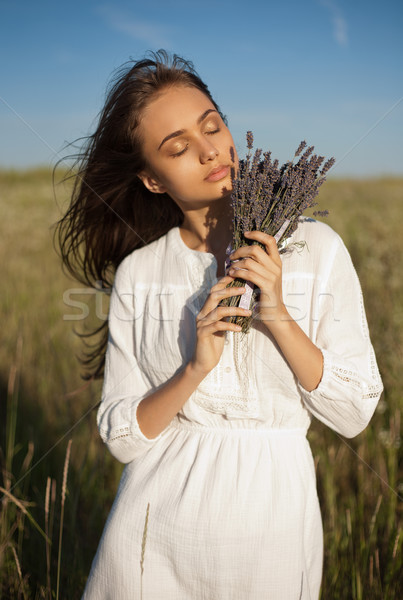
124	383
350	387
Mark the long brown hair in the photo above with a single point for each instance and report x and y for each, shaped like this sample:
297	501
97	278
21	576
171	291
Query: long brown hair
111	213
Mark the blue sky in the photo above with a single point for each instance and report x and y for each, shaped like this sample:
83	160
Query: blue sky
327	71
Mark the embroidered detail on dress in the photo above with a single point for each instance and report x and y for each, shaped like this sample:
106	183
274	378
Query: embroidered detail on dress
119	437
348	376
231	406
368	391
120	432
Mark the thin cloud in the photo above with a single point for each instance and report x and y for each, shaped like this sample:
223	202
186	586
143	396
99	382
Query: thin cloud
65	57
149	32
338	21
340	30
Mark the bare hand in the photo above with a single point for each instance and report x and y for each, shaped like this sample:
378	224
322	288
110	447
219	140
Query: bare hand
264	269
211	327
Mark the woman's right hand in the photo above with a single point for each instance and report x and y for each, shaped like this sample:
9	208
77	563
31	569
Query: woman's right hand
211	327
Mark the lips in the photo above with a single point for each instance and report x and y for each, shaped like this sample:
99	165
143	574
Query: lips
218	173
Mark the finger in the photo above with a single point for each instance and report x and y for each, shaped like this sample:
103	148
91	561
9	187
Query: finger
263	280
217	327
253	250
268	241
224	281
212	305
223	312
220	312
217	294
249	269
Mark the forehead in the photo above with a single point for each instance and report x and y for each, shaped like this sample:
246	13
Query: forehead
173	109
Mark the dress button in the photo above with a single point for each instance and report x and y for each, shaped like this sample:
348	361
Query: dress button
226	342
228	369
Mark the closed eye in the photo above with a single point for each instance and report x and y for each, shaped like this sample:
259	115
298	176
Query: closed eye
187	145
180	153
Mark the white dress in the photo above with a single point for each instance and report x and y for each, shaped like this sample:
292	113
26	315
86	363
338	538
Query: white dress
230	483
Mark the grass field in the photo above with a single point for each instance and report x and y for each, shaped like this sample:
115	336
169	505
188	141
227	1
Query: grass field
45	403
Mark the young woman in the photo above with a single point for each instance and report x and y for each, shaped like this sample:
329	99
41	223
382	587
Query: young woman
218	499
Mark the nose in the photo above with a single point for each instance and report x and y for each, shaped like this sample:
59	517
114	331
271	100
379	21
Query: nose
207	151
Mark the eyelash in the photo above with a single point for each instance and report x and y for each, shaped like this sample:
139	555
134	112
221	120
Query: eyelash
186	147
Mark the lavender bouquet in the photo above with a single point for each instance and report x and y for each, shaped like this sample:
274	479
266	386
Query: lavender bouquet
271	199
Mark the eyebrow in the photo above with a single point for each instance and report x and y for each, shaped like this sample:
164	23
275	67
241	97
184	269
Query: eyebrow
181	131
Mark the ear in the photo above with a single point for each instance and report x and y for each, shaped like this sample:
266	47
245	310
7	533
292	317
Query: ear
151	183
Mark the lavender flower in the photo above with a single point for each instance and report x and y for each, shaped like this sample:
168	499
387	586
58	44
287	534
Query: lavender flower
266	198
300	148
249	140
328	165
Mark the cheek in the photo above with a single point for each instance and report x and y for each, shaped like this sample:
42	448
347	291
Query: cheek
178	176
186	166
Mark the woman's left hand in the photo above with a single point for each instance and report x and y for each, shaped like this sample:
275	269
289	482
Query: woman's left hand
264	269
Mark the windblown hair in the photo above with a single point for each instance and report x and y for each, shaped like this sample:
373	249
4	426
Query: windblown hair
111	212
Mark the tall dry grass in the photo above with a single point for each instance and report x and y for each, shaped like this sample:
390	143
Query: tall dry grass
45	404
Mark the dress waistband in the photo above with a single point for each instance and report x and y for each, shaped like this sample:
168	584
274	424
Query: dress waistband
234	429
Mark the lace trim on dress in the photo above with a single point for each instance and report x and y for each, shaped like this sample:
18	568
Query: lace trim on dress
368	390
126	430
118	432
